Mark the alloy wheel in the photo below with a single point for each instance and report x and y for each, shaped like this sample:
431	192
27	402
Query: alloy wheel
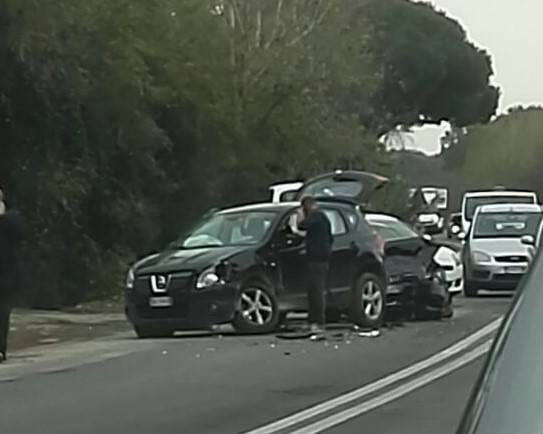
372	300
256	306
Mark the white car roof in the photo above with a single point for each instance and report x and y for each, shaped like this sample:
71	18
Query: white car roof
380	218
286	185
494	193
513	207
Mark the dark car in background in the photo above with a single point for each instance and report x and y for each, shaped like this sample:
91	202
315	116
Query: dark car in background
246	267
422	272
507	396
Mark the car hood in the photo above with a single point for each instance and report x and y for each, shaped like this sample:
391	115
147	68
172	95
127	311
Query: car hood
499	246
187	259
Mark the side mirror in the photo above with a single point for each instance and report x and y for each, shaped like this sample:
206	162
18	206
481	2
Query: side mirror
528	240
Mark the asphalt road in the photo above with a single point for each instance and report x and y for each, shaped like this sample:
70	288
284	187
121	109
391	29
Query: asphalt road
230	384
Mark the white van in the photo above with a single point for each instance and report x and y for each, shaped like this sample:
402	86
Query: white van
475	199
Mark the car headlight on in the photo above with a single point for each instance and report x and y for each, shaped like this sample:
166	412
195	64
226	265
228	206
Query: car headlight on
130	278
480	257
208	278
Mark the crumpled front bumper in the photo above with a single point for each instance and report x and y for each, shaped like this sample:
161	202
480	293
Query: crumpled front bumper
190	310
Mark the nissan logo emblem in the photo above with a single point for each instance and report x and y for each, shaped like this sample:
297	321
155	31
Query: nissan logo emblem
159	282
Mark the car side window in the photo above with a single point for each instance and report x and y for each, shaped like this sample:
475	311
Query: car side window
336	221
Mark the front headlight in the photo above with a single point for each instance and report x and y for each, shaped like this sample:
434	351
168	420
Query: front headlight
480	257
130	278
208	278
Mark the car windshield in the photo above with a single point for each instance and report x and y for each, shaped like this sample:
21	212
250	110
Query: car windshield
506	225
473	203
229	229
393	230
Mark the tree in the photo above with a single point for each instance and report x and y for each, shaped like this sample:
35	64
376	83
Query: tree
430	71
508	151
122	121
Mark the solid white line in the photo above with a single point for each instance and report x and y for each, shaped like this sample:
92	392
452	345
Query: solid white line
326	406
417	383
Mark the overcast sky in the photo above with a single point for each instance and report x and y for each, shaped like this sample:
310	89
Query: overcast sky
512	31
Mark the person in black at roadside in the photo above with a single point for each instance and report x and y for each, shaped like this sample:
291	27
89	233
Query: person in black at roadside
318	240
10	238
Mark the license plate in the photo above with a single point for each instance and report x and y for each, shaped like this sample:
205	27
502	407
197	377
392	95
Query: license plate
514	270
160	302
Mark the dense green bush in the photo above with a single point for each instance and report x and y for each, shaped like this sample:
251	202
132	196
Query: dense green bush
121	121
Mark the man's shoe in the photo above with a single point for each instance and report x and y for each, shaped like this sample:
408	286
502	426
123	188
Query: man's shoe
317	332
2	357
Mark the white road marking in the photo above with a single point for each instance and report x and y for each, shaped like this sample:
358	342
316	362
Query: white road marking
404	389
368	389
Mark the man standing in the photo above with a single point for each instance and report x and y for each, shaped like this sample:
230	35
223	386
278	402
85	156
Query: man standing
10	238
319	247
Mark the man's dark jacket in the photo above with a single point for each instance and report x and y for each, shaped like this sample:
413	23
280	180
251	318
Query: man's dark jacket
318	239
10	240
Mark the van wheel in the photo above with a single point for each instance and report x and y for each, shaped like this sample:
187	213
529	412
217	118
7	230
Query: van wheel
258	311
369	301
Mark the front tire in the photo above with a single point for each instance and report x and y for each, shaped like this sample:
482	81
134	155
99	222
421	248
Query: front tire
369	301
470	288
258	310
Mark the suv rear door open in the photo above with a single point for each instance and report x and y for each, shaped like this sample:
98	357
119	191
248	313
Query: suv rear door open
355	186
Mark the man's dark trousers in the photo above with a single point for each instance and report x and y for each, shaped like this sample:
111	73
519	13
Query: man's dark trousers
5	313
317	273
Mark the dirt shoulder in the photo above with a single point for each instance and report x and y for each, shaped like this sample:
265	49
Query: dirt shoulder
30	328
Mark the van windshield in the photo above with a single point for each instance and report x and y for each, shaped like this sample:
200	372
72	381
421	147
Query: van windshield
473	203
506	225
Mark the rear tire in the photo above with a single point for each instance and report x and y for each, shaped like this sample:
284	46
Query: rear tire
258	310
146	332
369	301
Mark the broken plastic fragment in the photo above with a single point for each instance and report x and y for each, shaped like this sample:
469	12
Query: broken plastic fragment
370	334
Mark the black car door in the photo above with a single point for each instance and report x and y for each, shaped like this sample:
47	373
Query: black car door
292	263
344	253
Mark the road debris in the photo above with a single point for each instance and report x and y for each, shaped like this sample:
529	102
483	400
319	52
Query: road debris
370	334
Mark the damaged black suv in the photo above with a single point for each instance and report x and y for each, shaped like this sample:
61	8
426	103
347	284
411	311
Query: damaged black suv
244	266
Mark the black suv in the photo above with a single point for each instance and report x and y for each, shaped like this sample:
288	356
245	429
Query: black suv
245	266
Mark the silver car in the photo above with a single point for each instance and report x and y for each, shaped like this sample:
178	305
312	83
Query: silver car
495	253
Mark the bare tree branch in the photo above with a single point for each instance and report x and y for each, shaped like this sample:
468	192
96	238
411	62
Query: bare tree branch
258	42
311	26
277	24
